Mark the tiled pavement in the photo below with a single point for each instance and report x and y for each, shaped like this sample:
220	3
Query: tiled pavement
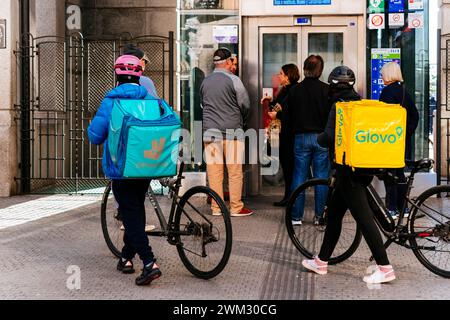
35	256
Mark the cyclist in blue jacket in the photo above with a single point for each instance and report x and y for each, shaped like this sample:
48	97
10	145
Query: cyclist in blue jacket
129	193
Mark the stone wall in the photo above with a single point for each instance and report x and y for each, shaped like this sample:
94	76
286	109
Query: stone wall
138	17
9	10
47	18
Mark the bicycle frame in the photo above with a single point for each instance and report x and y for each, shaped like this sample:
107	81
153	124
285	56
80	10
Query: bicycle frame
401	232
167	229
174	189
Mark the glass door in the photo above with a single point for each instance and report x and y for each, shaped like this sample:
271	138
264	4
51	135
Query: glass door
279	46
333	45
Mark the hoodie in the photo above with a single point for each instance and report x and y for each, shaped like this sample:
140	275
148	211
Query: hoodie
98	129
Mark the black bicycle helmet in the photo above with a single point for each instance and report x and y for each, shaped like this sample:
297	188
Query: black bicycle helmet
342	76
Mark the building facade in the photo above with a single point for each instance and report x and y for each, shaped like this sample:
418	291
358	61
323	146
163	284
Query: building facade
265	34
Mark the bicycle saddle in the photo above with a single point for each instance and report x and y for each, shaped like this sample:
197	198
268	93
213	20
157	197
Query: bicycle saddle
420	164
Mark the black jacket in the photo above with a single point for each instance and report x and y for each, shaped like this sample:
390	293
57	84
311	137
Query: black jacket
282	98
396	93
308	106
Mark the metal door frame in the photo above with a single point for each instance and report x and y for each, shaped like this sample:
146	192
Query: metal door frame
69	77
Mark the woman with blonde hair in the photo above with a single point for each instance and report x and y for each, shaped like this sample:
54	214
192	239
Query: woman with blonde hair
395	92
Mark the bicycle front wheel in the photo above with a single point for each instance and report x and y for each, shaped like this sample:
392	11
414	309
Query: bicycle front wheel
203	240
308	237
430	229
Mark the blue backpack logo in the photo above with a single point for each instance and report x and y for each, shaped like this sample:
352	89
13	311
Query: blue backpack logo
143	139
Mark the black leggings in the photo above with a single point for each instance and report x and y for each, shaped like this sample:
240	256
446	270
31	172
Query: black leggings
130	195
350	193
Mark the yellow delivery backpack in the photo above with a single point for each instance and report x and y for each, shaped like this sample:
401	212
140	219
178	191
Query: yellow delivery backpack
370	134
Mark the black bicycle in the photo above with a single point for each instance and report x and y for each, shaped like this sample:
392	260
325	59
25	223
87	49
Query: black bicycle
203	240
425	230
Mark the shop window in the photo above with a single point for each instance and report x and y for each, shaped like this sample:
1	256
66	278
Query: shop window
204	26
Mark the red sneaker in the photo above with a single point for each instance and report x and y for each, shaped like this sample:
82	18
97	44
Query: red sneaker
243	213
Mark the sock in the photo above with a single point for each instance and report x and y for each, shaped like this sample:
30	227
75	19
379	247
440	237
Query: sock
386	269
320	262
151	264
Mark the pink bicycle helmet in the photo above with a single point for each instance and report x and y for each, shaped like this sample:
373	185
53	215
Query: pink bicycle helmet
128	65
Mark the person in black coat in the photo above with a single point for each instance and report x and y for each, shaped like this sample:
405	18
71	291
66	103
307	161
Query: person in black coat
395	93
289	76
307	116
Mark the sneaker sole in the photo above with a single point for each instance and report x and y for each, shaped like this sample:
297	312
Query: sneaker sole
241	214
217	214
148	281
389	279
307	266
128	271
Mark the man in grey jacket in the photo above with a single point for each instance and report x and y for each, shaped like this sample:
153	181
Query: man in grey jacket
226	108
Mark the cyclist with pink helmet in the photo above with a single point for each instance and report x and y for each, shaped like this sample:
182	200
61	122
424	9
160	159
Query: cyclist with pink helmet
129	193
146	82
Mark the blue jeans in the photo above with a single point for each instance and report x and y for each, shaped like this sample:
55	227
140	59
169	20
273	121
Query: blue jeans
307	152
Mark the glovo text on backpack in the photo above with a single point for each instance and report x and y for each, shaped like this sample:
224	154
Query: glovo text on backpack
370	134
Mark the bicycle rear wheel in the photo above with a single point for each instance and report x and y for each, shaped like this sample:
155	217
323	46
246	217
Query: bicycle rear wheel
430	225
308	237
205	244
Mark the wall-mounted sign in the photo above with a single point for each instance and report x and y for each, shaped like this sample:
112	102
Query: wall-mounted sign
396	6
376	6
226	34
376	21
302	21
2	34
415	20
379	58
415	5
73	21
396	20
301	2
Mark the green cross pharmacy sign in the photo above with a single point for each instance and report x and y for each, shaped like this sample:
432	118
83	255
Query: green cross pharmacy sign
376	6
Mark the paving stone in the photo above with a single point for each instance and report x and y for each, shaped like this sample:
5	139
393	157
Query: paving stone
35	256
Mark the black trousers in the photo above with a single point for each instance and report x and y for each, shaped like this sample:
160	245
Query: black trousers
350	193
396	192
287	162
130	195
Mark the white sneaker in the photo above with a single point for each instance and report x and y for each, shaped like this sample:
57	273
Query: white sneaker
296	222
393	214
217	214
313	266
149	228
380	277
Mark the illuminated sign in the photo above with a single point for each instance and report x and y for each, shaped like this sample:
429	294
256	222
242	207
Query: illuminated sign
301	2
379	58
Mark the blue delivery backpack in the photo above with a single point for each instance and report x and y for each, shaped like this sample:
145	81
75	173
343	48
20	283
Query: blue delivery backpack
143	139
